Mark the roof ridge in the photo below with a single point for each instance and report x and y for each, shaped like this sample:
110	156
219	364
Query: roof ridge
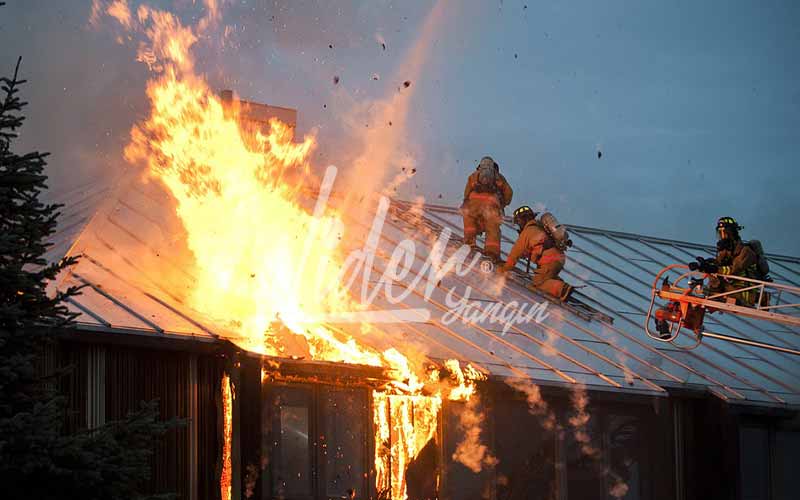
620	234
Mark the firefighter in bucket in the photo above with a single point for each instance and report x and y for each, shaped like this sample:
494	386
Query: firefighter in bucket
734	258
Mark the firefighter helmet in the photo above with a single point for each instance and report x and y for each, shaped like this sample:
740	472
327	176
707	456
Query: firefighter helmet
488	160
728	228
522	215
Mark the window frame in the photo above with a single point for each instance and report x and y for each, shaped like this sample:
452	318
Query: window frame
317	394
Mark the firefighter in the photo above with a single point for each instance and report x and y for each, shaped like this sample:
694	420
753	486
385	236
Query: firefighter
486	194
734	258
545	243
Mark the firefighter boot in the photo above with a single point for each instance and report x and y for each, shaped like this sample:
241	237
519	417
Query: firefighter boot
662	327
566	292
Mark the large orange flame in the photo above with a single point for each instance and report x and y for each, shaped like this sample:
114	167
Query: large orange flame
261	257
227	436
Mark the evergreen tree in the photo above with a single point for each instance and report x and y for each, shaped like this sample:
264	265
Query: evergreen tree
37	459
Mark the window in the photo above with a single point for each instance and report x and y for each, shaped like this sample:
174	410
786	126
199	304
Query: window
768	458
526	468
785	460
584	470
625	456
460	482
754	456
290	447
316	444
614	464
343	440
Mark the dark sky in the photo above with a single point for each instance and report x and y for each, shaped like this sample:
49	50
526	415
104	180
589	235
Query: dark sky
695	106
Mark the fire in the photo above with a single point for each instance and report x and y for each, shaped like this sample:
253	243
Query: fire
257	251
403	426
469	451
227	430
261	257
465	380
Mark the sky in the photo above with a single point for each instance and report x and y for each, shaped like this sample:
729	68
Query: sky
695	106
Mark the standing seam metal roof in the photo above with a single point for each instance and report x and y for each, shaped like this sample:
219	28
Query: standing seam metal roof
129	237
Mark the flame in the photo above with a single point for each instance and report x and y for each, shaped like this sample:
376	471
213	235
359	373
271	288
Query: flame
404	424
227	429
260	257
469	451
465	380
257	251
119	10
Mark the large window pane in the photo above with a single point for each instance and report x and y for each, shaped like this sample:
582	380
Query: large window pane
584	467
625	457
786	457
461	482
526	452
343	441
754	456
290	410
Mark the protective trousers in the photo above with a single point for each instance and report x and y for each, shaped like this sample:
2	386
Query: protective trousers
744	298
482	214
545	276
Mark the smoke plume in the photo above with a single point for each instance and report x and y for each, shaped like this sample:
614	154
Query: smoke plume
470	451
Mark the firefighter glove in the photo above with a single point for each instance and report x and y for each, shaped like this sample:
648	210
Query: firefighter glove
704	265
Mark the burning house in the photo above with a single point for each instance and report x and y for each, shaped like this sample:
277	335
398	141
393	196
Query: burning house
329	343
430	392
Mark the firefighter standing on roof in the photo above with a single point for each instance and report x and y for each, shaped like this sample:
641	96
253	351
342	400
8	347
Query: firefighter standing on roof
486	195
545	242
734	258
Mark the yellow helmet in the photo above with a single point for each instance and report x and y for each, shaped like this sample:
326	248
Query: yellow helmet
728	228
523	214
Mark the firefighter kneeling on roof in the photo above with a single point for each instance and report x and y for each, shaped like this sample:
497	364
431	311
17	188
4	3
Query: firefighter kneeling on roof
545	242
735	258
486	195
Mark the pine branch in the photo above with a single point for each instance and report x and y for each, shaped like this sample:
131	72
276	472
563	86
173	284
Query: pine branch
10	104
37	459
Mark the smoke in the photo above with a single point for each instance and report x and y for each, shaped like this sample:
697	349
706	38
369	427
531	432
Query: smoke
383	143
413	223
619	489
470	451
536	404
579	422
627	373
550	339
